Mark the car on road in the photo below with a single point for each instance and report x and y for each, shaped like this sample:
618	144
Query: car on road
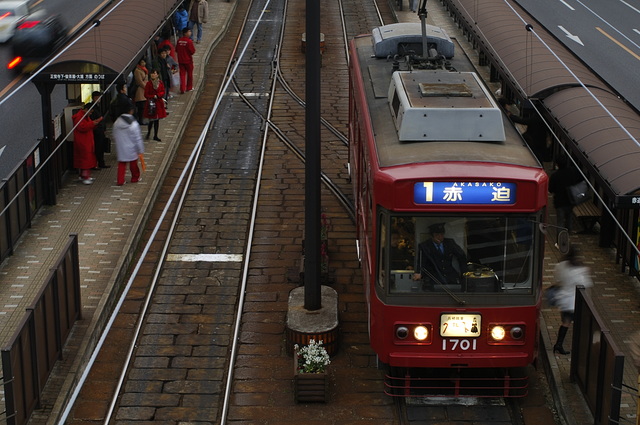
36	37
11	11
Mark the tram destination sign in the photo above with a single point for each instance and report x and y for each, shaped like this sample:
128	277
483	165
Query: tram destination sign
473	193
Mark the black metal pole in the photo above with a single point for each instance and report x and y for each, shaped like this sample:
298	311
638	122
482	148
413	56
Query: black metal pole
312	289
49	177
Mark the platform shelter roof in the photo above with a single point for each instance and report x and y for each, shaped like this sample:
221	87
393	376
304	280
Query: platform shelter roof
544	69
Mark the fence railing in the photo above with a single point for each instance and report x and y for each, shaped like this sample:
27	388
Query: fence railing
30	355
24	194
596	362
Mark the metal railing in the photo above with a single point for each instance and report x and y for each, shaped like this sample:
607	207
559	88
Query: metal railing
596	362
27	189
31	354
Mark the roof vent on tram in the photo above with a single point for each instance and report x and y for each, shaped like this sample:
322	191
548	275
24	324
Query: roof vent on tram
406	39
443	106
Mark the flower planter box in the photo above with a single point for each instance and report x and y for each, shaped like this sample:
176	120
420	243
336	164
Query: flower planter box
309	387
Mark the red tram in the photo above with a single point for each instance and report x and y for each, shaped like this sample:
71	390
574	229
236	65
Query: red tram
431	152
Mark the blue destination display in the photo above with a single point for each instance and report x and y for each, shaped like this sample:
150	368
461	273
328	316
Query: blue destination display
475	193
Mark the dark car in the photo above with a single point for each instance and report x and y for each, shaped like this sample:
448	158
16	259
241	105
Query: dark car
37	36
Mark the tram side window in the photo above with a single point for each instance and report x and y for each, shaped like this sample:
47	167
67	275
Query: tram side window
402	255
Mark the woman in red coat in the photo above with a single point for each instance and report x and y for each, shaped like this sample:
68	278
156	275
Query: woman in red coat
84	157
154	109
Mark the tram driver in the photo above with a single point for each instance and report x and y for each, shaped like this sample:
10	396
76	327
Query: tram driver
440	260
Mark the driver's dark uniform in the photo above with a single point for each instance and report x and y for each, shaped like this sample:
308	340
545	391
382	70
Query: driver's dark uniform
442	265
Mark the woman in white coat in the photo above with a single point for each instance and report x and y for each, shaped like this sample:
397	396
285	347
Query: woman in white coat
569	273
129	145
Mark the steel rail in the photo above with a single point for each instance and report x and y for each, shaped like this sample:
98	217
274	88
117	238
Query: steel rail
333	187
189	168
254	213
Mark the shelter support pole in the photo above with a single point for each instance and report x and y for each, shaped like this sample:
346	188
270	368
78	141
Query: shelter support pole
48	174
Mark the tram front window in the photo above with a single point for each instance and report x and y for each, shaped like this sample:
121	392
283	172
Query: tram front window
460	254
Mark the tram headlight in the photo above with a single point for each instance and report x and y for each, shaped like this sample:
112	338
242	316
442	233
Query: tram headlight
412	333
421	333
507	334
497	333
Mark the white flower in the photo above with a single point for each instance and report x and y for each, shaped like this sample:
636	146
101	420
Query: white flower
312	358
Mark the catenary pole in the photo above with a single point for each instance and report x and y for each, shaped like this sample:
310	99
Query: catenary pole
312	294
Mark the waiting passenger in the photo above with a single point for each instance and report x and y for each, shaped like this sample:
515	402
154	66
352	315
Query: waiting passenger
436	257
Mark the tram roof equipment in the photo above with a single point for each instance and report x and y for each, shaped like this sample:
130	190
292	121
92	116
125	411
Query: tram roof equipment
432	105
398	39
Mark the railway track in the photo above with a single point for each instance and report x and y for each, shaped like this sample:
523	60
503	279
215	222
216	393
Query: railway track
206	309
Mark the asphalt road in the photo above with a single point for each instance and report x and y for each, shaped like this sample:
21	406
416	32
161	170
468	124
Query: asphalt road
20	107
605	35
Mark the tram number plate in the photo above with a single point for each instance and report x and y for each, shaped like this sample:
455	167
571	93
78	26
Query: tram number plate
453	344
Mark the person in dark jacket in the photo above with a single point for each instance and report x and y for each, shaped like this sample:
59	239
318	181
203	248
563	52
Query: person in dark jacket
559	182
121	103
535	135
99	135
440	260
164	69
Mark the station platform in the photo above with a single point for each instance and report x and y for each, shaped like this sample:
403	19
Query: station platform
109	222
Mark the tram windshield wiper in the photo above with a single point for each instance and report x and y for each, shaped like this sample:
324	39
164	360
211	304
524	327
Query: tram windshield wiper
456	298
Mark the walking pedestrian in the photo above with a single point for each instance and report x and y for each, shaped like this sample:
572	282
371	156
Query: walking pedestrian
154	109
100	139
197	16
559	183
84	157
129	146
140	77
568	273
185	50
